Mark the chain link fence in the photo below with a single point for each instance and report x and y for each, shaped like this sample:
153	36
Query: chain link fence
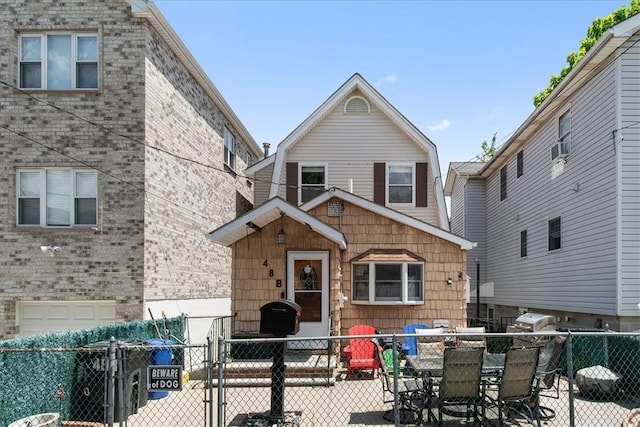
581	378
118	383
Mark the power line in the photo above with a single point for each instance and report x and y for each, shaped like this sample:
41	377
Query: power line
208	166
82	162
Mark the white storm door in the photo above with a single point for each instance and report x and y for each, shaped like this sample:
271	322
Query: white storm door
308	286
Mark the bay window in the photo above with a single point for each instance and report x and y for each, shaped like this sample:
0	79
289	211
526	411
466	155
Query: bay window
388	282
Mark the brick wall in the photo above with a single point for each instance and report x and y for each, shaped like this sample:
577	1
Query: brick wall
152	247
180	261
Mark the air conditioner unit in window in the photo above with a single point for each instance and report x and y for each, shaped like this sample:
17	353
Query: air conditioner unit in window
560	150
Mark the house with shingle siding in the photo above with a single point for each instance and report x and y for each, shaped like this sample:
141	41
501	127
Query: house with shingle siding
350	223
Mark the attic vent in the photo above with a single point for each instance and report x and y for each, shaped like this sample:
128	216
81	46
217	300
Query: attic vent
357	105
334	208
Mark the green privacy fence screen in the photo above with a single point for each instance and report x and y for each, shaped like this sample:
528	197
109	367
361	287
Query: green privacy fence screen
34	381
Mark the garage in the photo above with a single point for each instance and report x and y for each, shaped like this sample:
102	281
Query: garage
36	317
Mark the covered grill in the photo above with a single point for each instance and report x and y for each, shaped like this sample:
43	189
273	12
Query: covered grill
532	322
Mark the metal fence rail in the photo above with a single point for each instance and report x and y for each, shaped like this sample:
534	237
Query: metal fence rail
596	381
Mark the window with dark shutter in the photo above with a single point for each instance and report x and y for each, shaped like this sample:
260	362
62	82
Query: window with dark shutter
421	184
379	183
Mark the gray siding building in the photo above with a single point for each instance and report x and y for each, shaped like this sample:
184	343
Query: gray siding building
558	220
118	156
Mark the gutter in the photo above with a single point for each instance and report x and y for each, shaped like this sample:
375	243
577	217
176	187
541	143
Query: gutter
564	84
145	9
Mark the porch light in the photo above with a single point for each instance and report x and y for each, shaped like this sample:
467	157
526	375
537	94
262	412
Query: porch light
282	237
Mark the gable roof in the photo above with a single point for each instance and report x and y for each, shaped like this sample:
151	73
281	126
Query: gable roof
267	213
457	169
586	69
272	209
251	170
358	82
388	213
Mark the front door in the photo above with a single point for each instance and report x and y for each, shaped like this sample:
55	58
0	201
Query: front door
308	286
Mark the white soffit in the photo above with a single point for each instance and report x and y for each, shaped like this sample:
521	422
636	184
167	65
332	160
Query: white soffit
267	213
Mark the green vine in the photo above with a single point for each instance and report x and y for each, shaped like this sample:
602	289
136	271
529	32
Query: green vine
594	32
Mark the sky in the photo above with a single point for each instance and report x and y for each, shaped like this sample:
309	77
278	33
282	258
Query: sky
460	71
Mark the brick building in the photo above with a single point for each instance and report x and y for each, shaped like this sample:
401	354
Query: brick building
118	155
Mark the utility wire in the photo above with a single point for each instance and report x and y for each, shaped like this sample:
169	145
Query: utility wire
122	180
208	166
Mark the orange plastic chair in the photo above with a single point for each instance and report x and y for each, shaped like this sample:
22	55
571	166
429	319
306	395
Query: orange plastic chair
360	354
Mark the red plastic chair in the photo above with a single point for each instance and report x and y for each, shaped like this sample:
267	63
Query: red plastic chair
360	354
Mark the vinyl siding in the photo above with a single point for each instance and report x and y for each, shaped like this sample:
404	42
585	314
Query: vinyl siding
630	178
351	143
457	206
262	184
475	226
581	276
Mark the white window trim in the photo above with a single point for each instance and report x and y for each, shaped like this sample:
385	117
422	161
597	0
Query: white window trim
551	251
506	183
44	62
521	152
43	198
311	164
559	137
413	184
372	283
230	160
344	110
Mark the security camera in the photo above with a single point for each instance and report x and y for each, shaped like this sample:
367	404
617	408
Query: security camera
56	249
45	248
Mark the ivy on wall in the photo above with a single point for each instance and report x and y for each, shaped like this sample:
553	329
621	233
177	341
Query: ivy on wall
594	32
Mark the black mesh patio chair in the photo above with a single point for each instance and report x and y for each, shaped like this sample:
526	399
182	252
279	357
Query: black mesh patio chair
460	385
517	391
411	390
549	366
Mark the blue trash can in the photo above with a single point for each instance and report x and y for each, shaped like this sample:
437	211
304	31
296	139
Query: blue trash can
160	356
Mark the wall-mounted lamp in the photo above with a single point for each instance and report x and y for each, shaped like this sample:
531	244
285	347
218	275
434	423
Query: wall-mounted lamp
449	281
281	238
576	187
50	249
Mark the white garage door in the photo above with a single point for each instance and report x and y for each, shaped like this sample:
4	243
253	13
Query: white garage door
36	317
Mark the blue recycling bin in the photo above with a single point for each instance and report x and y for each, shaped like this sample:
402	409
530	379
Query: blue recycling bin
160	356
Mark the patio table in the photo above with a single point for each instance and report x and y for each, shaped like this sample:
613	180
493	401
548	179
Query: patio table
491	363
431	366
